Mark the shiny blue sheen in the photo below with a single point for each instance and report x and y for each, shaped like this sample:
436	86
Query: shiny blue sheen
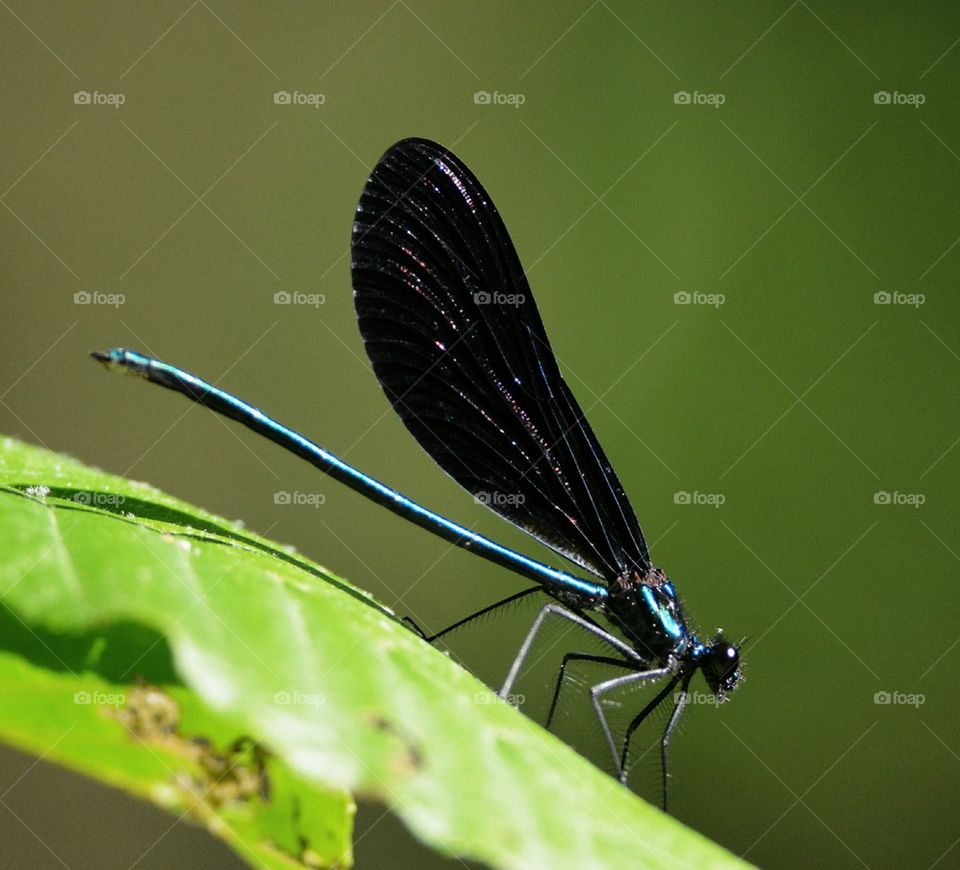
666	620
137	363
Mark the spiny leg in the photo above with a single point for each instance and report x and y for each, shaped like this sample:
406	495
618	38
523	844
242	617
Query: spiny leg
637	721
682	702
412	624
579	657
562	612
616	682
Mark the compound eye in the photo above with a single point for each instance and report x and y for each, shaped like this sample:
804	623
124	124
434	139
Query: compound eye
727	661
730	654
721	668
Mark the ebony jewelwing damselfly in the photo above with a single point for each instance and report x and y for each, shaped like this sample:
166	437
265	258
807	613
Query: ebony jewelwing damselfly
456	341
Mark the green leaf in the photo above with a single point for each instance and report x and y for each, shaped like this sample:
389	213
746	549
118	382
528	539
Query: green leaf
110	583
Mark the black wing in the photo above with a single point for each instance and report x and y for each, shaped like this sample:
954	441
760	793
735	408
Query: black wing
457	343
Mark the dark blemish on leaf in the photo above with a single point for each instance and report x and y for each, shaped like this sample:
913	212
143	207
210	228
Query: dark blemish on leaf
412	758
236	775
149	713
216	778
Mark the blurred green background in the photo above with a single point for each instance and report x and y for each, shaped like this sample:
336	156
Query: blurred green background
783	191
